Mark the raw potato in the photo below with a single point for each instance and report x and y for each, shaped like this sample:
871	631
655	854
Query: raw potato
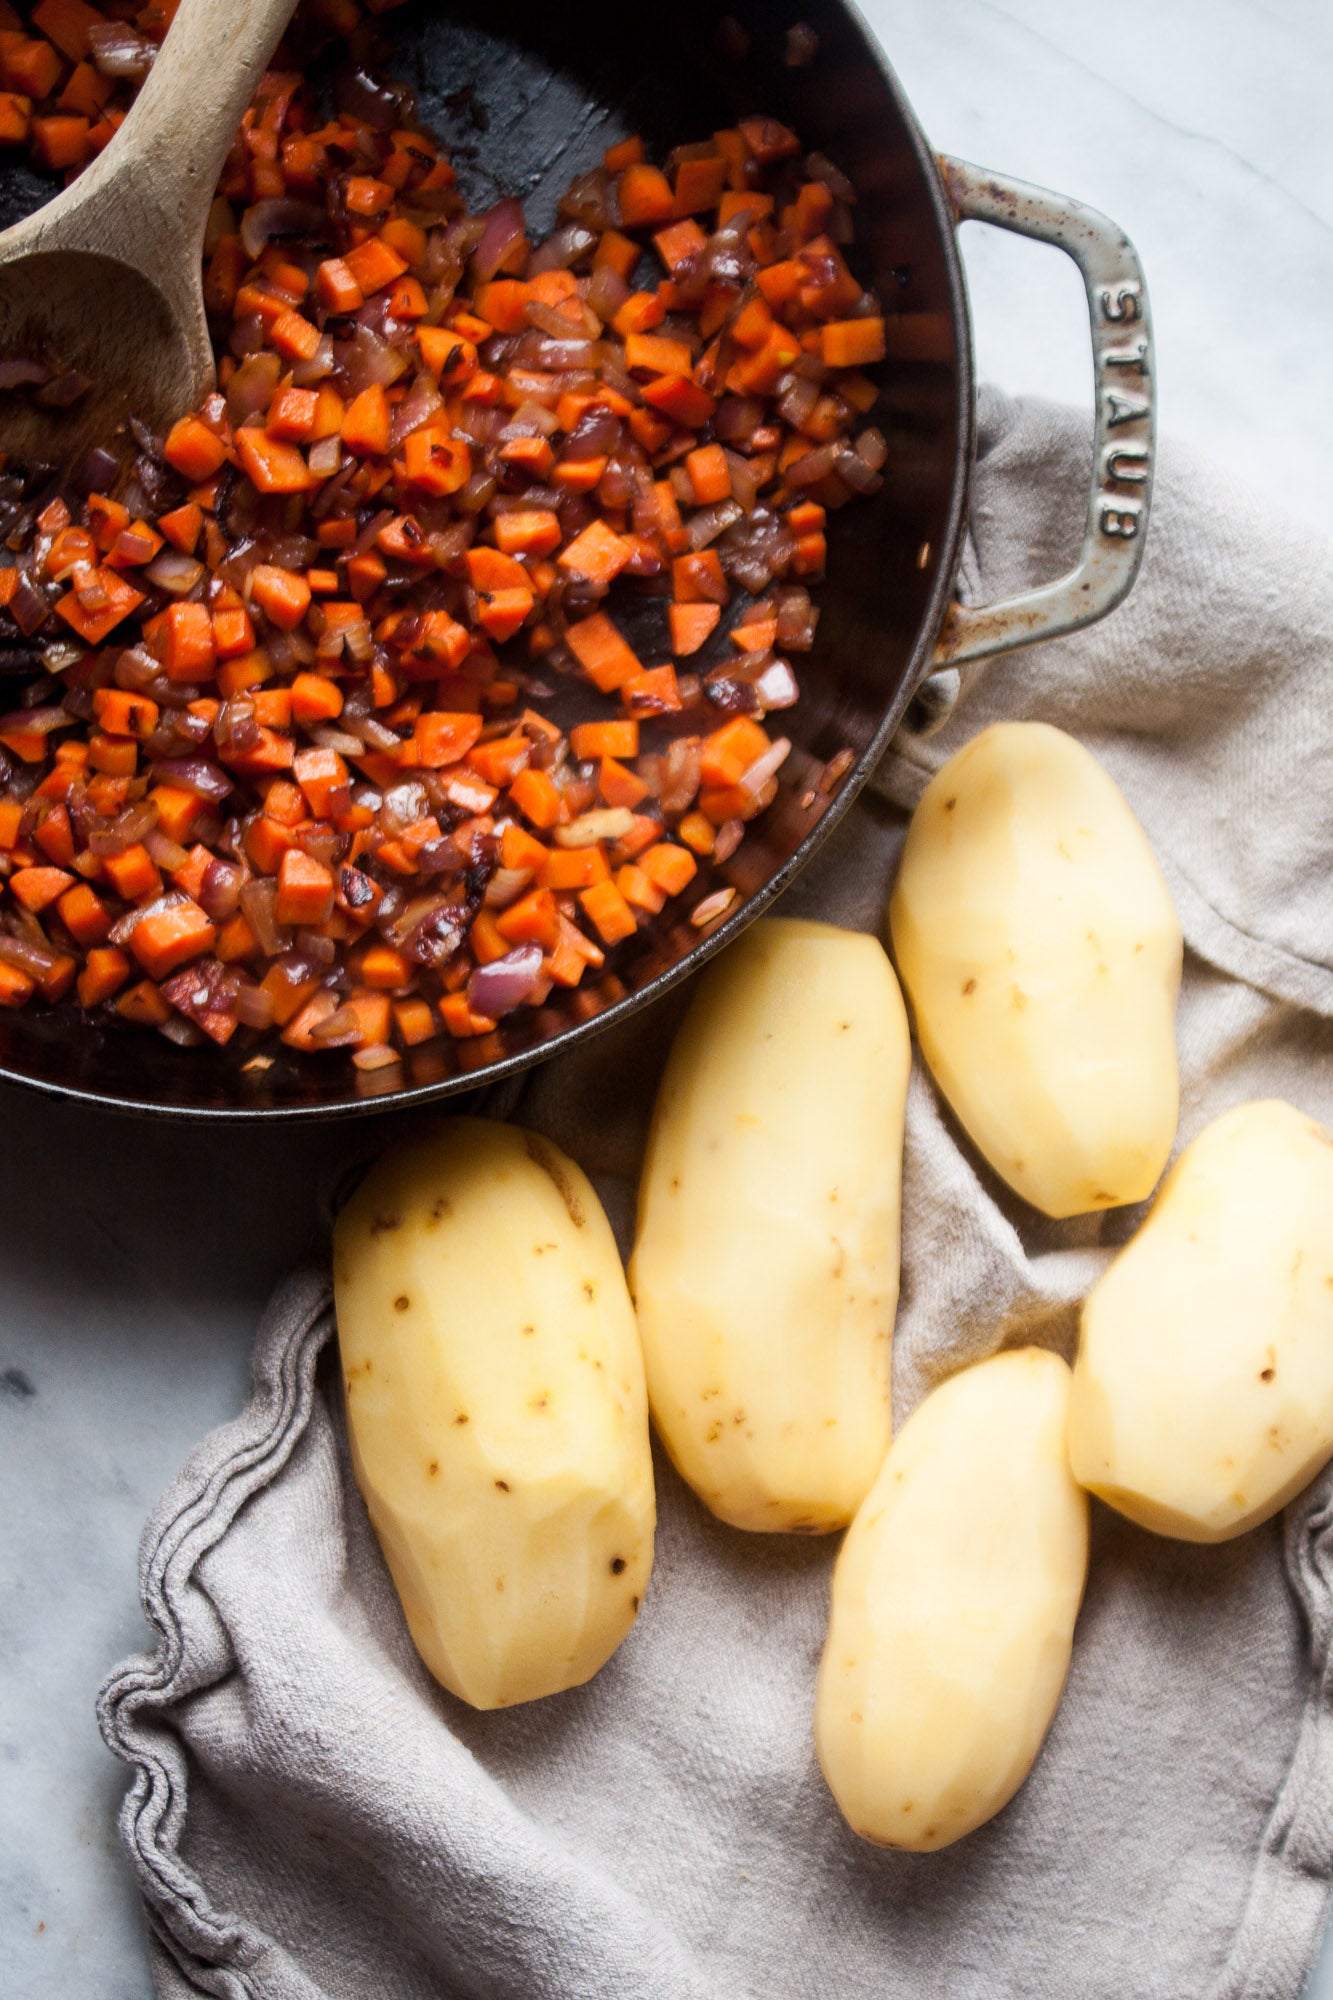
496	1408
1203	1392
766	1268
954	1601
1041	952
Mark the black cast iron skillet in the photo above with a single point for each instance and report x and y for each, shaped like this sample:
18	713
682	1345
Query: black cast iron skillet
526	97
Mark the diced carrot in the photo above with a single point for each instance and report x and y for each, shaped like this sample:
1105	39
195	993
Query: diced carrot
533	531
194	450
598	554
490	570
133	873
305	890
67	23
459	1019
729	752
271	465
533	919
501	612
503	304
623	154
697	832
681	241
183	527
443	738
447	354
291	414
853	343
182	637
169	937
15	122
233	632
655	354
605	655
579	475
434	462
191	872
337	286
691	625
669	867
682	400
294	336
374	264
655	691
124	714
266	842
617	253
116	754
608	911
501	759
640	312
757	635
709	474
699	184
105	970
282	595
645	196
99	601
366	423
538	799
638	890
384	968
616	738
315	698
618	785
36	887
414	1022
32	67
15	986
61	141
566	868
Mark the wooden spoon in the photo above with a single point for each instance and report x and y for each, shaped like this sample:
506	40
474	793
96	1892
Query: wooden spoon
106	277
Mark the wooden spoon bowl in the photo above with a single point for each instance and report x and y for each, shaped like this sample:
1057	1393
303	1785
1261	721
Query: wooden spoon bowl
105	279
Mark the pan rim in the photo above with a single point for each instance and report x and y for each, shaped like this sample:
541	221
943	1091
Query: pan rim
412	1096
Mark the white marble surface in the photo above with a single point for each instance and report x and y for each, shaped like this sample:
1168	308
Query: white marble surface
135	1257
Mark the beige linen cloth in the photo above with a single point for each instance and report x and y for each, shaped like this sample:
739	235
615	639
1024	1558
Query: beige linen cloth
312	1818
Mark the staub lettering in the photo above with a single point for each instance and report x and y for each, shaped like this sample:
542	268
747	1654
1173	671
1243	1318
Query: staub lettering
1122	305
1120	522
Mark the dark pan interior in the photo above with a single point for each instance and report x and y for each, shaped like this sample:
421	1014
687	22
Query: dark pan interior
526	98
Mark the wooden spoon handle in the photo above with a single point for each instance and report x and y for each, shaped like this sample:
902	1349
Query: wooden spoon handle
146	198
183	121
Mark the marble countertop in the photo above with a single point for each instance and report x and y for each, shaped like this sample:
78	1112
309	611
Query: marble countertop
136	1257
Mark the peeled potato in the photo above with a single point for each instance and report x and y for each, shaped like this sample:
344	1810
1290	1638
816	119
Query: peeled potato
954	1601
1041	952
766	1268
496	1408
1203	1392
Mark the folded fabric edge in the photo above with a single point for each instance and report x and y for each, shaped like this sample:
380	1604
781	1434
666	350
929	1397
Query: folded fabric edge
230	1465
1282	1924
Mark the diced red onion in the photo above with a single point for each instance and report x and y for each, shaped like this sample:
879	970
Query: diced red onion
257	902
196	774
119	50
174	572
281	216
563	247
709	522
501	238
496	989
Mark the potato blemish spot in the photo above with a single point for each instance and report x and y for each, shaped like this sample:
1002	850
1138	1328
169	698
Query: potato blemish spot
949	805
589	1289
433	1469
969	986
541	1157
634	1603
502	1485
401	1303
529	1329
384	1223
617	1565
461	1418
1267	1374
